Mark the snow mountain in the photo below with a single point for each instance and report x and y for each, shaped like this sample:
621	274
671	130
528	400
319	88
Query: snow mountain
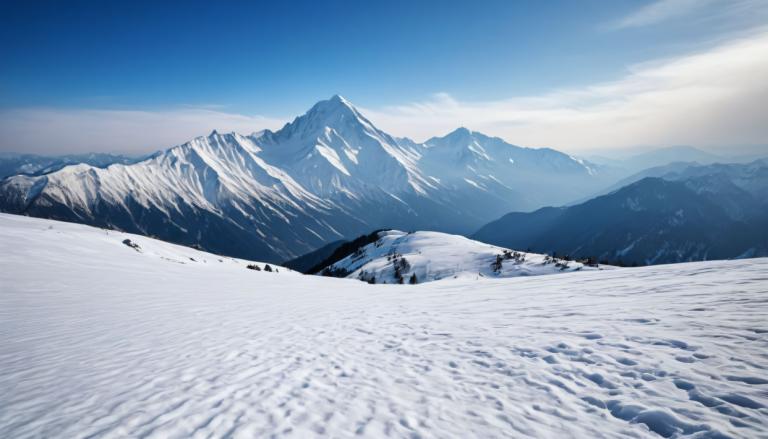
333	150
466	160
214	192
330	174
393	256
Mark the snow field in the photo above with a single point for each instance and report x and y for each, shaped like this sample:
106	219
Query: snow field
99	340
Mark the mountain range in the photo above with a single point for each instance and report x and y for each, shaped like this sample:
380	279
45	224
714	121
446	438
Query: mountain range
328	175
673	213
33	164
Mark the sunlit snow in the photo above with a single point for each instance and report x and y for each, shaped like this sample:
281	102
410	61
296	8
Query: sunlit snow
99	339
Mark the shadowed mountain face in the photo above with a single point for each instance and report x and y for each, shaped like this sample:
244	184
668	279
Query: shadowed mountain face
328	175
697	213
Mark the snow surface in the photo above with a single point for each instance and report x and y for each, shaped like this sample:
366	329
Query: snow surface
100	340
434	256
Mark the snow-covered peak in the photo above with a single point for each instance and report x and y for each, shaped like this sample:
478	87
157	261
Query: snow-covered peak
459	133
460	137
333	150
399	257
334	104
340	99
467	147
464	158
335	113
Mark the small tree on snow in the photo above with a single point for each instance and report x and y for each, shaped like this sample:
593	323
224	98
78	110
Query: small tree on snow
496	265
413	280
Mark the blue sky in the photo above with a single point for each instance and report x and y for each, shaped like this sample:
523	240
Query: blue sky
123	65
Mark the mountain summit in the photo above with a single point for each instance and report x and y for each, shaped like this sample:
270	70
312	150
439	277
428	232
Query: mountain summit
334	150
327	175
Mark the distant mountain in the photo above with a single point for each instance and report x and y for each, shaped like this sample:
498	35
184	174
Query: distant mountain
526	175
696	213
671	154
656	171
727	183
328	175
633	163
392	256
31	164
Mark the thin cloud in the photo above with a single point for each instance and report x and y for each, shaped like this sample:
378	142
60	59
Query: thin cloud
713	98
57	131
730	14
659	11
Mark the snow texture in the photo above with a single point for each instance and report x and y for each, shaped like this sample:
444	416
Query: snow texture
98	339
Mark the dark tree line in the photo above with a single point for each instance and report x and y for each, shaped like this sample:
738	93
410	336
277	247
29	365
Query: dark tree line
506	255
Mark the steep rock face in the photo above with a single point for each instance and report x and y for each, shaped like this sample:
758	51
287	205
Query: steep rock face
327	175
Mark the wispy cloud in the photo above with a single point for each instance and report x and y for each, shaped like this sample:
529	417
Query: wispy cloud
661	10
59	131
712	98
735	14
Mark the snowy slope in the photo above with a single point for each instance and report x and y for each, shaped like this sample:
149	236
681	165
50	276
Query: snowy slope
111	248
99	340
328	175
433	256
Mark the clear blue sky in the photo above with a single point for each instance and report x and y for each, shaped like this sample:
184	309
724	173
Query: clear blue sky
279	56
275	59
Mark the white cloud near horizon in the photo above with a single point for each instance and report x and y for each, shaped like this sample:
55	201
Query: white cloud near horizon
65	131
714	98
